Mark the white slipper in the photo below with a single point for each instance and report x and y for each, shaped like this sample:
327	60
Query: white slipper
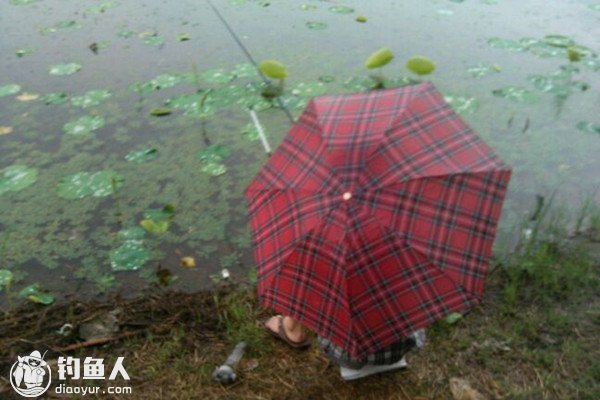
349	374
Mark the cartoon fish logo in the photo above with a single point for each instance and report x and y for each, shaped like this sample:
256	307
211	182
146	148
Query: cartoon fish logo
28	374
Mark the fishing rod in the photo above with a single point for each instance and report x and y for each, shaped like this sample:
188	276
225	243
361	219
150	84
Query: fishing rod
248	55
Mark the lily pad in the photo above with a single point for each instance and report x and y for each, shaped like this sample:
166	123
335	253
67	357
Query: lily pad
379	58
152	39
154	227
558	41
141	156
84	184
64	69
518	94
559	87
16	177
341	9
35	295
316	25
294	102
102	8
84	125
130	256
190	104
165	213
168	80
218	75
6	278
24	52
212	158
359	84
213	169
462	105
478	71
22	2
507	44
55	98
308	7
309	89
250	132
244	70
133	232
9	90
273	69
90	98
420	65
586	126
61	25
126	34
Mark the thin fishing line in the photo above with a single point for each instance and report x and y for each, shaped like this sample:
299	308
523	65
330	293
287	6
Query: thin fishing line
247	53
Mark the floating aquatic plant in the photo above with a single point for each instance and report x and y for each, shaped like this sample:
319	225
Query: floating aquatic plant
55	98
341	9
84	125
34	294
90	98
361	19
316	25
212	159
244	70
142	156
64	69
16	177
193	105
311	89
250	132
460	104
379	58
22	2
589	127
85	184
160	112
275	70
130	256
184	37
25	51
517	94
420	65
217	75
61	25
478	71
9	90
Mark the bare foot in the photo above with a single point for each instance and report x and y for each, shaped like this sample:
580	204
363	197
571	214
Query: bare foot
293	329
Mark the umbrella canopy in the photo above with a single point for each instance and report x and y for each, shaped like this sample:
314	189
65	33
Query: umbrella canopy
375	216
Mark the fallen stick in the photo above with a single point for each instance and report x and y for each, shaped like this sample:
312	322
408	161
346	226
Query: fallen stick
95	342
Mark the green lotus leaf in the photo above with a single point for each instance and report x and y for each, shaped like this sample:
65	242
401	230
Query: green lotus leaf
142	87
507	44
168	80
244	70
217	75
420	65
316	25
9	90
141	156
130	256
6	278
213	169
35	295
90	98
25	51
160	112
379	58
341	9
160	214
558	41
22	2
359	84
133	232
64	69
55	98
224	96
214	153
16	177
250	132
478	71
273	69
84	184
589	127
520	95
555	85
155	227
190	104
462	105
84	125
153	40
309	89
184	37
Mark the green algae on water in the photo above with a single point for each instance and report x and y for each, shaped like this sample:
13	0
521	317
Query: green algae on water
16	177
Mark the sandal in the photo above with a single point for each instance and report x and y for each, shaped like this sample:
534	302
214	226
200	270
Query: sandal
280	334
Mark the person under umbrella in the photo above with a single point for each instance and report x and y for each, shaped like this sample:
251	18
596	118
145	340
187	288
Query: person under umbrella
373	219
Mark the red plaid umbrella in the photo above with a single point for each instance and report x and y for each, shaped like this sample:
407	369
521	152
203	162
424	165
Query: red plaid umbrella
375	216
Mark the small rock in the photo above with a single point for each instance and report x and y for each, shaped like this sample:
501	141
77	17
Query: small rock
101	326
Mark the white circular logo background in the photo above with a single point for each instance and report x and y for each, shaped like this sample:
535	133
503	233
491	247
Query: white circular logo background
31	390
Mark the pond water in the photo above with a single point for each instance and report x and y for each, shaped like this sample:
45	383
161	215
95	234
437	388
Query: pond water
83	161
